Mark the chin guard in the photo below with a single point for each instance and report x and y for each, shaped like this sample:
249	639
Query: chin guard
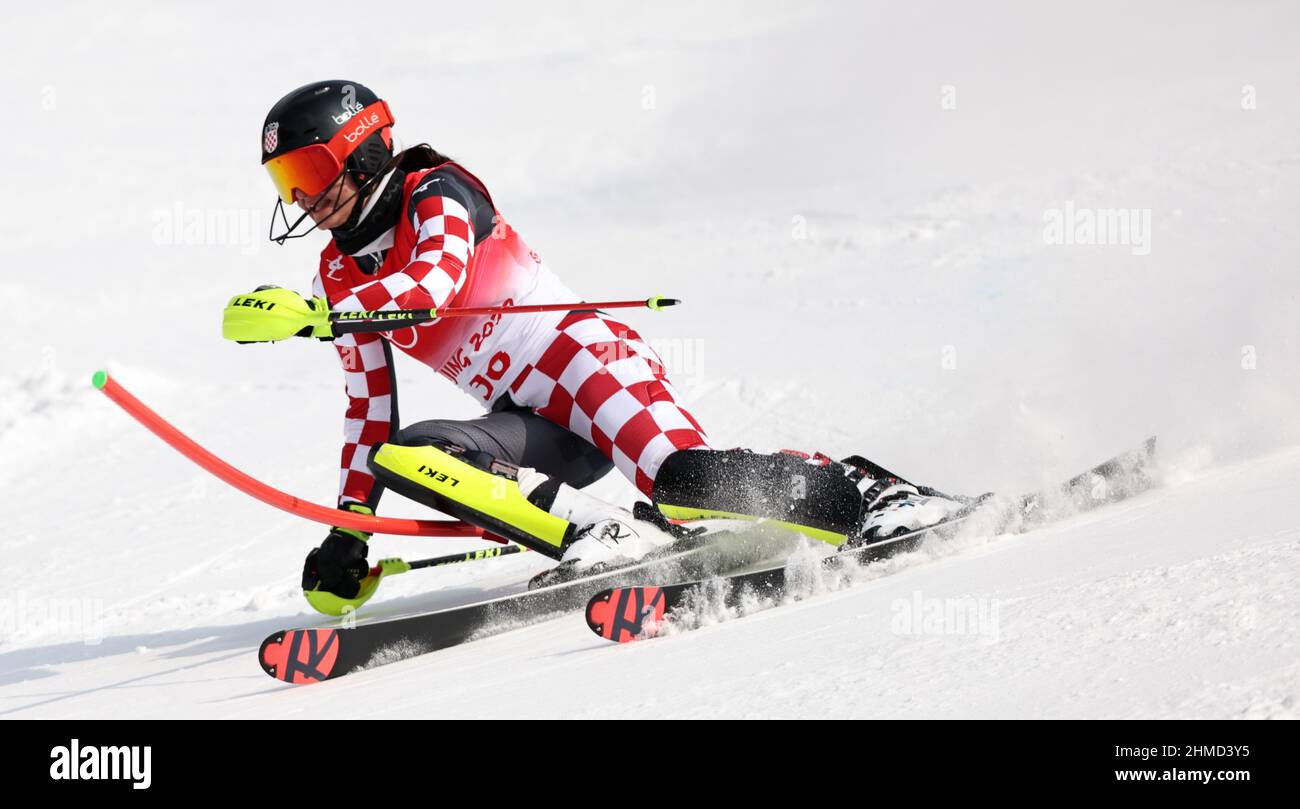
272	313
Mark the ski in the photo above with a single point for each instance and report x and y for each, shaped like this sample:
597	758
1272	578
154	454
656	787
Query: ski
632	612
311	655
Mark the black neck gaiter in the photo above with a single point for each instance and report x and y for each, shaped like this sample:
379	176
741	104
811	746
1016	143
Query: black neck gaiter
352	236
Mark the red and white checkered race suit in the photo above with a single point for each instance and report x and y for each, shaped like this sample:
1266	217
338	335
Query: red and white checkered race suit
582	370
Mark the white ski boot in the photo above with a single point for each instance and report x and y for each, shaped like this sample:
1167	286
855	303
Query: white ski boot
891	508
607	536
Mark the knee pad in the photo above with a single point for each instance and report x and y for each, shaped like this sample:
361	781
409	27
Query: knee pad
471	486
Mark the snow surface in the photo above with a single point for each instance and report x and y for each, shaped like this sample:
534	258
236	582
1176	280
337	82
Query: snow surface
864	271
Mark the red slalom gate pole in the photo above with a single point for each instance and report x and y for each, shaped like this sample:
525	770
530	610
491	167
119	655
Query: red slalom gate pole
268	494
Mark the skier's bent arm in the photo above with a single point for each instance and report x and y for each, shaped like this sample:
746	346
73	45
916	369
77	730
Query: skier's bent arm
368	380
370	388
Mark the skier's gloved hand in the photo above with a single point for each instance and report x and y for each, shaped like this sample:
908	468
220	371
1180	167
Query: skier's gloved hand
339	564
270	313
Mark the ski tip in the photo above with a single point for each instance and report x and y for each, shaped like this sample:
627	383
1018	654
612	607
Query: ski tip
100	379
300	656
626	613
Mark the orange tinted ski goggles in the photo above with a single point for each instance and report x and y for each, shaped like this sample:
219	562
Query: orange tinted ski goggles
311	169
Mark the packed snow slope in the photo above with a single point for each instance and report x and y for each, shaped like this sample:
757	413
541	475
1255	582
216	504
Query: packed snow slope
853	201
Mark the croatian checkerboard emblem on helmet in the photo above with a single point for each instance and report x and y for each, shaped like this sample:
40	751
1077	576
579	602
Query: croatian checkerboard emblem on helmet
271	137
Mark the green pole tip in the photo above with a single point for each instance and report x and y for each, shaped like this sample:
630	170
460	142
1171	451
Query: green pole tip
99	380
659	301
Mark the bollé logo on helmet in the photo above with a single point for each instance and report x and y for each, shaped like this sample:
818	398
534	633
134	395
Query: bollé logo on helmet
363	124
350	105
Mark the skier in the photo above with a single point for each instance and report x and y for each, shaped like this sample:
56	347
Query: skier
568	395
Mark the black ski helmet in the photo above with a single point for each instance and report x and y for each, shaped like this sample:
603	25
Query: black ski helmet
342	119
